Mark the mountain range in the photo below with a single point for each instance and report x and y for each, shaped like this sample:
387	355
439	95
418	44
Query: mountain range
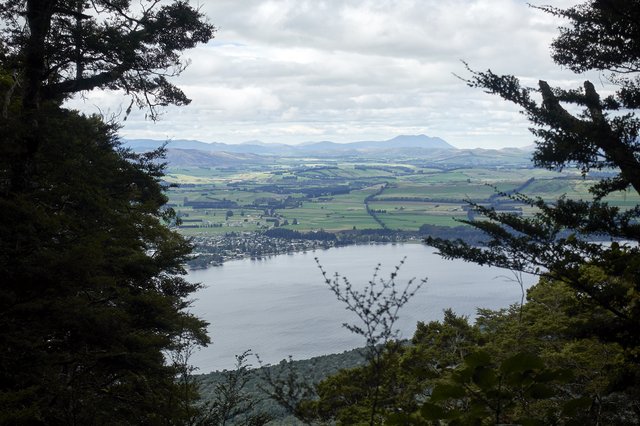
430	150
323	147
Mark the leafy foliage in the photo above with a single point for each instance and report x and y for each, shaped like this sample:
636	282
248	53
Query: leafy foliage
93	306
232	403
101	44
557	241
529	365
91	296
377	306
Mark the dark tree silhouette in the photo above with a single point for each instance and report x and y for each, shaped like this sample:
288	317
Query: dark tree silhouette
92	303
56	48
557	241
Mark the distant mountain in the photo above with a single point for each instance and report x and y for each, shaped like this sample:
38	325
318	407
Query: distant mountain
150	144
431	151
530	148
199	158
402	141
257	147
479	157
408	141
323	147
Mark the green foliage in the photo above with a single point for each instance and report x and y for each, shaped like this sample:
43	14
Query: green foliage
398	380
603	35
60	47
232	403
92	300
93	307
269	383
361	395
493	392
557	242
377	306
524	366
443	345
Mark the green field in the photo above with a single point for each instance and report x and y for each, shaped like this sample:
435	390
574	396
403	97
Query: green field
312	194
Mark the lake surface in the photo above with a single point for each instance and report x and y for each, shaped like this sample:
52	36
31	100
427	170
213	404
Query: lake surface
281	306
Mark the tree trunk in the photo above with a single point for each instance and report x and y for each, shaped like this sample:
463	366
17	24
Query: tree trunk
38	17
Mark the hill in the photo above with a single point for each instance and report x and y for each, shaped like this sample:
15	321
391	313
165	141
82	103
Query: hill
414	149
200	158
304	373
324	147
402	141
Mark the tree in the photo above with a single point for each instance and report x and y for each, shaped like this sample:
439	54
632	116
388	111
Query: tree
514	365
68	46
377	307
92	302
399	379
558	240
56	48
231	403
531	366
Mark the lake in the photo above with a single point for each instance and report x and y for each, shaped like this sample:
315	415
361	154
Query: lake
280	306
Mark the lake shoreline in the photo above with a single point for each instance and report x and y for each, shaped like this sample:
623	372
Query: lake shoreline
281	306
214	251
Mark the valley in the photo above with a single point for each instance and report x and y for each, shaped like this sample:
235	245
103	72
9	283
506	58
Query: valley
255	201
401	190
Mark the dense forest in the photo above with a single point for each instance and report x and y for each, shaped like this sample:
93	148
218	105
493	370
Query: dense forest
92	304
94	307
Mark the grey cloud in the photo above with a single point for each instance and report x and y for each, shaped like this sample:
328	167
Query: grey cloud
296	70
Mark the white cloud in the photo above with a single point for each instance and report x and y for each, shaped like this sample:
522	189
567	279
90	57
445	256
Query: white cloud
298	70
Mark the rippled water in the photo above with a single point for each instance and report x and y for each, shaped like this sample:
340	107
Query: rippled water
281	306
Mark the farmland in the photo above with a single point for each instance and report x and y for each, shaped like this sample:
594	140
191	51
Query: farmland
315	193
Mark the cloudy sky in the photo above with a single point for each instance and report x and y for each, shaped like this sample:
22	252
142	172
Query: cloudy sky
292	71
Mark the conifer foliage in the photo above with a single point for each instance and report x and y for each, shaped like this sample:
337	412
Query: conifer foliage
92	302
558	241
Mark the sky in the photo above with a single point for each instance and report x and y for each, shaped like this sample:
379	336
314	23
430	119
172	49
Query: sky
293	71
